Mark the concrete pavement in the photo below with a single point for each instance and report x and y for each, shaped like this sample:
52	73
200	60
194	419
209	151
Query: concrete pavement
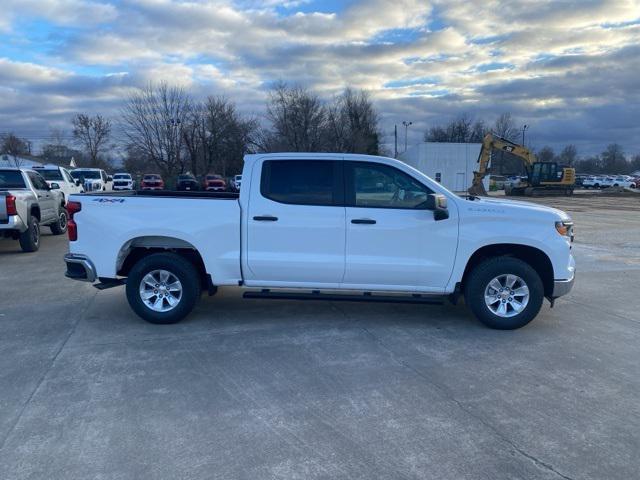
254	389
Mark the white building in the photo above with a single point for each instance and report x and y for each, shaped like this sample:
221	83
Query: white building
7	160
451	164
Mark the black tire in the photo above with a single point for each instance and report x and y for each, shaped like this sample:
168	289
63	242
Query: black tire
30	238
178	266
60	227
479	279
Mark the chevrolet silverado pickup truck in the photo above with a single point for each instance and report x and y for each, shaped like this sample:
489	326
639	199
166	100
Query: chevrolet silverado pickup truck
325	227
26	203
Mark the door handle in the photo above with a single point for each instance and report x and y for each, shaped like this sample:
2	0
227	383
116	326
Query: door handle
363	221
265	218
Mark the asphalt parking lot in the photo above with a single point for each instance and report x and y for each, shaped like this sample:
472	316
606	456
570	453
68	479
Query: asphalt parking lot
254	389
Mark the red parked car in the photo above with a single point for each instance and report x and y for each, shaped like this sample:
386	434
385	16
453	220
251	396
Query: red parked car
152	181
214	183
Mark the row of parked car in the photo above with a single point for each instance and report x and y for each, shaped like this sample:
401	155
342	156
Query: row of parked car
605	181
36	197
82	180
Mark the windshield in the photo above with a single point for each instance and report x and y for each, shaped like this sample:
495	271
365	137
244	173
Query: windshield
122	176
152	177
82	174
11	179
51	174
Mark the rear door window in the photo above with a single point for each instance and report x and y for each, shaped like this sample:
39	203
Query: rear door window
302	182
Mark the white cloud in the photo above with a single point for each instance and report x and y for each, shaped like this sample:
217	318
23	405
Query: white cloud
424	60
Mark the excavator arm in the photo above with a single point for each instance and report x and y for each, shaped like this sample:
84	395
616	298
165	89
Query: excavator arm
492	142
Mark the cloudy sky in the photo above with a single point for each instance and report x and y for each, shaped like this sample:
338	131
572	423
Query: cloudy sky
568	68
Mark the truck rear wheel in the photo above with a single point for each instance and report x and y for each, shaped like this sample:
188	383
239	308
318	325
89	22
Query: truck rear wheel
504	293
30	238
163	288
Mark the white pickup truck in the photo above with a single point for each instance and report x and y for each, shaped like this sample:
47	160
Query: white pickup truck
324	226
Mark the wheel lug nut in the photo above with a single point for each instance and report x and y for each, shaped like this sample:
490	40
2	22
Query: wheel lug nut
510	298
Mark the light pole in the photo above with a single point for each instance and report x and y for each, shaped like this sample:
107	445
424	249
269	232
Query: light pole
406	133
174	124
524	129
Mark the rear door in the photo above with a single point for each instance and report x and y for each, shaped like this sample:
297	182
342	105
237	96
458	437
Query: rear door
46	200
296	223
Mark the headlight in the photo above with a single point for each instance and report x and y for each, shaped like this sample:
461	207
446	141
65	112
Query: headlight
565	228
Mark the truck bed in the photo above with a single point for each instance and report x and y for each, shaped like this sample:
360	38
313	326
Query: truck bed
111	223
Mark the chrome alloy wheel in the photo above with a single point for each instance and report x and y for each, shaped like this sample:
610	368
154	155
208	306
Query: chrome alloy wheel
63	220
160	290
506	295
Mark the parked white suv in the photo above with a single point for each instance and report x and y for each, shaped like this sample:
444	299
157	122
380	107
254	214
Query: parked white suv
593	182
123	181
324	226
93	179
60	178
619	181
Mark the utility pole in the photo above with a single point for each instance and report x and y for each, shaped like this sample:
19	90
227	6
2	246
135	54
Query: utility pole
406	132
395	139
524	129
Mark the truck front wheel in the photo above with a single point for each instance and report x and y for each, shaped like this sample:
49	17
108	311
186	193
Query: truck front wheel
504	293
163	288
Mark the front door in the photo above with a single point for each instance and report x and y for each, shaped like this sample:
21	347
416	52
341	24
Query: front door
296	224
393	241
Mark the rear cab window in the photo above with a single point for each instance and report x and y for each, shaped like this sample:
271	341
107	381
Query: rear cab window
11	179
303	182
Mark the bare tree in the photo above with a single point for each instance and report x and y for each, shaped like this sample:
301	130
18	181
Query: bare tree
14	146
546	154
216	136
505	127
568	155
92	134
461	130
154	119
297	118
353	124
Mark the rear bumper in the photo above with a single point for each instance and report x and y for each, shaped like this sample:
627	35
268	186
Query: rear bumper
13	222
79	267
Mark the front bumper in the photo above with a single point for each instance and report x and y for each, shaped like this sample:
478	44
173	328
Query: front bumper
13	222
562	287
79	267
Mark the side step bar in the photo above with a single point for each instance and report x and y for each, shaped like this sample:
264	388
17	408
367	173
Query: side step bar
337	297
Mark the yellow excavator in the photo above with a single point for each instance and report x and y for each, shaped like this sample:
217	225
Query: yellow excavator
542	177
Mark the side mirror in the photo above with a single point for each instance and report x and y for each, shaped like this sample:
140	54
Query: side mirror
438	203
78	183
54	186
109	178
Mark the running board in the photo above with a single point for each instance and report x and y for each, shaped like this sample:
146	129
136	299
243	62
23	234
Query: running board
105	283
338	297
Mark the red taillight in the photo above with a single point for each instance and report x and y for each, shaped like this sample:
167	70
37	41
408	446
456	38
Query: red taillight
72	227
11	205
